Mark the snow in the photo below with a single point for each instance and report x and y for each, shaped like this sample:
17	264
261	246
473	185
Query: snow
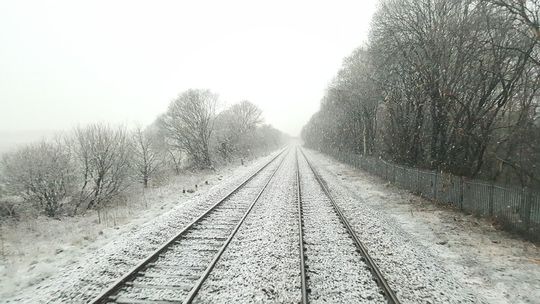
336	272
84	268
493	265
428	253
190	255
261	264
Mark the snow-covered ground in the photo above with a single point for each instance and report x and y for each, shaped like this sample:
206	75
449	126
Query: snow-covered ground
487	263
71	260
429	254
261	264
186	259
335	270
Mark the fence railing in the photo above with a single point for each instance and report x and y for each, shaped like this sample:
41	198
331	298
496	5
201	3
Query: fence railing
514	209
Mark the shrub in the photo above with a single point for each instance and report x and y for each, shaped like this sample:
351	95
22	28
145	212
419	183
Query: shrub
103	156
41	174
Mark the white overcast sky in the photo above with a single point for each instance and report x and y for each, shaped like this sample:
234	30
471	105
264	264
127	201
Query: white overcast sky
64	63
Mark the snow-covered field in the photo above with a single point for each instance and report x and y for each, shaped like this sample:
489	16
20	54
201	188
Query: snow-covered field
491	264
69	261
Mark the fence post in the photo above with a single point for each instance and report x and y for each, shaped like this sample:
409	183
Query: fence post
417	181
461	190
490	199
435	186
527	204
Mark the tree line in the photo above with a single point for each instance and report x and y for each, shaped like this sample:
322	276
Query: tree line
94	165
444	85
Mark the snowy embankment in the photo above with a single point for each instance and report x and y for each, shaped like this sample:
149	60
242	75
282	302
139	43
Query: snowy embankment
261	264
81	271
428	251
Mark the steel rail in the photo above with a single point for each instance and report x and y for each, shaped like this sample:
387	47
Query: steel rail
303	277
195	290
105	296
377	274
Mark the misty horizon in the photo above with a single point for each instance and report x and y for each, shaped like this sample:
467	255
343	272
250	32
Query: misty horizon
66	63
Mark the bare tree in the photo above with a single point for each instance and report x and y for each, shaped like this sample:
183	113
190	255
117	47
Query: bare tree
526	12
348	115
236	128
171	156
453	65
146	156
268	138
41	174
449	85
103	157
189	123
247	116
356	90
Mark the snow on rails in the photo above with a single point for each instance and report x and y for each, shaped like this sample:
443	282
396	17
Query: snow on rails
333	264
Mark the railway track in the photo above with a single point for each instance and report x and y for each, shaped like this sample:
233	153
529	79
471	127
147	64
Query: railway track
175	272
310	267
303	276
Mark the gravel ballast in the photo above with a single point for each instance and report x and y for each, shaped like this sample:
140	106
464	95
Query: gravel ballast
189	256
261	264
336	272
411	270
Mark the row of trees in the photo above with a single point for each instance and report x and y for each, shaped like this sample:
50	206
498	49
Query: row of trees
95	164
446	85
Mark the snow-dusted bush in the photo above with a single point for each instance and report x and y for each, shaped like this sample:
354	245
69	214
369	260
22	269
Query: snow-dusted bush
235	128
102	156
41	174
239	132
10	206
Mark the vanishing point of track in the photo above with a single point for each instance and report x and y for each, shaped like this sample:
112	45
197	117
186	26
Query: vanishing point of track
152	280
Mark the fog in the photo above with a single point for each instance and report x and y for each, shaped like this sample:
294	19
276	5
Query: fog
64	63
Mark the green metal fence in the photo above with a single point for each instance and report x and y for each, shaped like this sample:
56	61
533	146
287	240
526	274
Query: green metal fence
515	209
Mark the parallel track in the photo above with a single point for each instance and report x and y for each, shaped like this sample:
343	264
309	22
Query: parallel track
167	277
361	248
304	289
161	273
